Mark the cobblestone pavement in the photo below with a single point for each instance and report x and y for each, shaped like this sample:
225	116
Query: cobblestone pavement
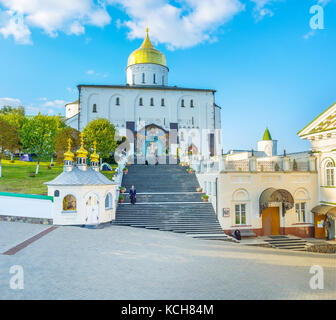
128	263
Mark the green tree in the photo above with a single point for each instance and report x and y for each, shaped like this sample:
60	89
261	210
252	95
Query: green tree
14	116
61	145
102	131
9	138
38	134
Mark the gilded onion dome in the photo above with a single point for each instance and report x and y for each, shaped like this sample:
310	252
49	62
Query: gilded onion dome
69	156
147	54
94	156
81	152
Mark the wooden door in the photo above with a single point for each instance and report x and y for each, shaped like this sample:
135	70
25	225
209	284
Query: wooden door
271	221
319	226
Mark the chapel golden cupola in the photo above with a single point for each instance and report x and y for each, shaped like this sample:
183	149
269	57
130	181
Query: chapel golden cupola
95	158
81	154
68	157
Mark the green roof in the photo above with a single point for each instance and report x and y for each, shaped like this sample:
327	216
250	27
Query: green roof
267	135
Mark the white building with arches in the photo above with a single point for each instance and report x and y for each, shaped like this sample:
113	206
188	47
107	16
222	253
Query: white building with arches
262	193
321	132
187	119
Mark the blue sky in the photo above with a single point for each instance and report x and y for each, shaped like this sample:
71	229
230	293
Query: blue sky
268	66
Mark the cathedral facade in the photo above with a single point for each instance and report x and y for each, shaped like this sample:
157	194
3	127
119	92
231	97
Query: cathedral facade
157	119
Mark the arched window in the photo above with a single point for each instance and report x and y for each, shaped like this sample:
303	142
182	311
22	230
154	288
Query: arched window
152	102
108	201
182	103
56	193
330	174
143	78
154	78
162	102
94	108
240	202
117	101
69	203
191	103
140	102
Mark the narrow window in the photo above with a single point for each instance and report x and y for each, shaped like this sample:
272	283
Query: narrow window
192	120
191	103
162	102
182	103
154	78
163	80
108	201
152	102
240	212
330	174
300	209
143	78
140	102
117	101
94	108
133	79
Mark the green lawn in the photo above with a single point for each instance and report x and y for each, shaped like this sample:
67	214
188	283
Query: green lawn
15	176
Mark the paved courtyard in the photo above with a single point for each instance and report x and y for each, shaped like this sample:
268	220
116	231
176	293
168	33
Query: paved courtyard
128	263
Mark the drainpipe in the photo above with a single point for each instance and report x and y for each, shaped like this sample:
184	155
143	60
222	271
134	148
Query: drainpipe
217	198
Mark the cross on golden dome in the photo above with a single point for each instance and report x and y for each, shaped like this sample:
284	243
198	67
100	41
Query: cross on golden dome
68	156
94	156
81	152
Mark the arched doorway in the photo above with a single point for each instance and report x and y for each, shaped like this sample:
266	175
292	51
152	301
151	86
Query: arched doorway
271	202
152	142
92	209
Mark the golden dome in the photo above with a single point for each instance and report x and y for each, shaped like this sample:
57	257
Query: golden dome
94	156
69	156
81	152
147	54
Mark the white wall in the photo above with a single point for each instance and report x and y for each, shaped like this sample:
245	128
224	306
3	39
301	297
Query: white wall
25	207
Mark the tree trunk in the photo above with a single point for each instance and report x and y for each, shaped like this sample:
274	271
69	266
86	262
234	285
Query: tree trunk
37	167
0	168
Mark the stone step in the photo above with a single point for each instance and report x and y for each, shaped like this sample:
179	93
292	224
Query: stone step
147	198
167	201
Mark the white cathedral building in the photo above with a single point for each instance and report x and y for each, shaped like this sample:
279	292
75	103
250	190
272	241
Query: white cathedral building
157	118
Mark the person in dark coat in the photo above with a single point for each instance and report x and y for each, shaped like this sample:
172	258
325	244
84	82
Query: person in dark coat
132	194
327	226
237	235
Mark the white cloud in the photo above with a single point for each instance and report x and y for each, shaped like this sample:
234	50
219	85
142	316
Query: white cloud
178	24
261	10
51	16
55	104
90	72
10	102
14	26
323	2
309	34
72	91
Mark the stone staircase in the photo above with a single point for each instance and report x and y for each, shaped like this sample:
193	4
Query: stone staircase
287	242
167	200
